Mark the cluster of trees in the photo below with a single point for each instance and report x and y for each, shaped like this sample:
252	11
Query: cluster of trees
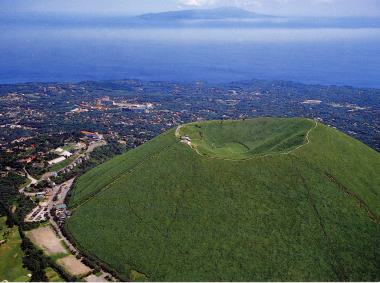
101	154
11	198
34	260
36	171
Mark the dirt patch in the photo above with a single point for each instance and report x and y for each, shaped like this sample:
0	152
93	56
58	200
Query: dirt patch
47	240
73	266
94	278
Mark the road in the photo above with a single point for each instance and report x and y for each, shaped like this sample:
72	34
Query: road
32	180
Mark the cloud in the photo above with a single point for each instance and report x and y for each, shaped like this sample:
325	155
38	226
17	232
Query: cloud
197	3
192	3
296	7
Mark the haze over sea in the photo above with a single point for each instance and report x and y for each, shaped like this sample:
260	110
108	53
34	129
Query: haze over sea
69	53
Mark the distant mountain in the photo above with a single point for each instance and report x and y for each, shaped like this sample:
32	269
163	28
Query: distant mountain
226	13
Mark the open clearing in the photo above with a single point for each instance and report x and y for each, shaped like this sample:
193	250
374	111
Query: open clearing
73	266
47	240
281	207
51	244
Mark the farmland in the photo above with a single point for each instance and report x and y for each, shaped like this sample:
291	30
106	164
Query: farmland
300	202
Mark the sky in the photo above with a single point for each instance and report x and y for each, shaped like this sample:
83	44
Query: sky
328	8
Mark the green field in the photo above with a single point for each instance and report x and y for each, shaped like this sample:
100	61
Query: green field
11	268
300	202
53	276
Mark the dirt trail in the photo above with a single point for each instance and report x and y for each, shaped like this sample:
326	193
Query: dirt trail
177	131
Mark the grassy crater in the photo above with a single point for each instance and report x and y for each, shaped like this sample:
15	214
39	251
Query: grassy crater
246	139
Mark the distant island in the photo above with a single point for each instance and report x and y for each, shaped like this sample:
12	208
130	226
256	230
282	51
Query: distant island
236	17
199	18
224	13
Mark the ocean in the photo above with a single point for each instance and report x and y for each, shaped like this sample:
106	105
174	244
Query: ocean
70	54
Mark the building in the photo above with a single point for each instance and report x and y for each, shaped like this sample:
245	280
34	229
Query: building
92	136
60	206
63	152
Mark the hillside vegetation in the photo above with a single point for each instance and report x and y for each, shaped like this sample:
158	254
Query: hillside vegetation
255	200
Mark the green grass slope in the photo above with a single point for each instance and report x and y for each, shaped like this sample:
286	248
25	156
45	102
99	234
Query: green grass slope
301	202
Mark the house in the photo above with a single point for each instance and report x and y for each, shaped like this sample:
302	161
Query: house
92	136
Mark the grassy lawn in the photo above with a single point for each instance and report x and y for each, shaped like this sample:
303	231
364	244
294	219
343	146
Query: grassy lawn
53	276
173	215
11	268
69	147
